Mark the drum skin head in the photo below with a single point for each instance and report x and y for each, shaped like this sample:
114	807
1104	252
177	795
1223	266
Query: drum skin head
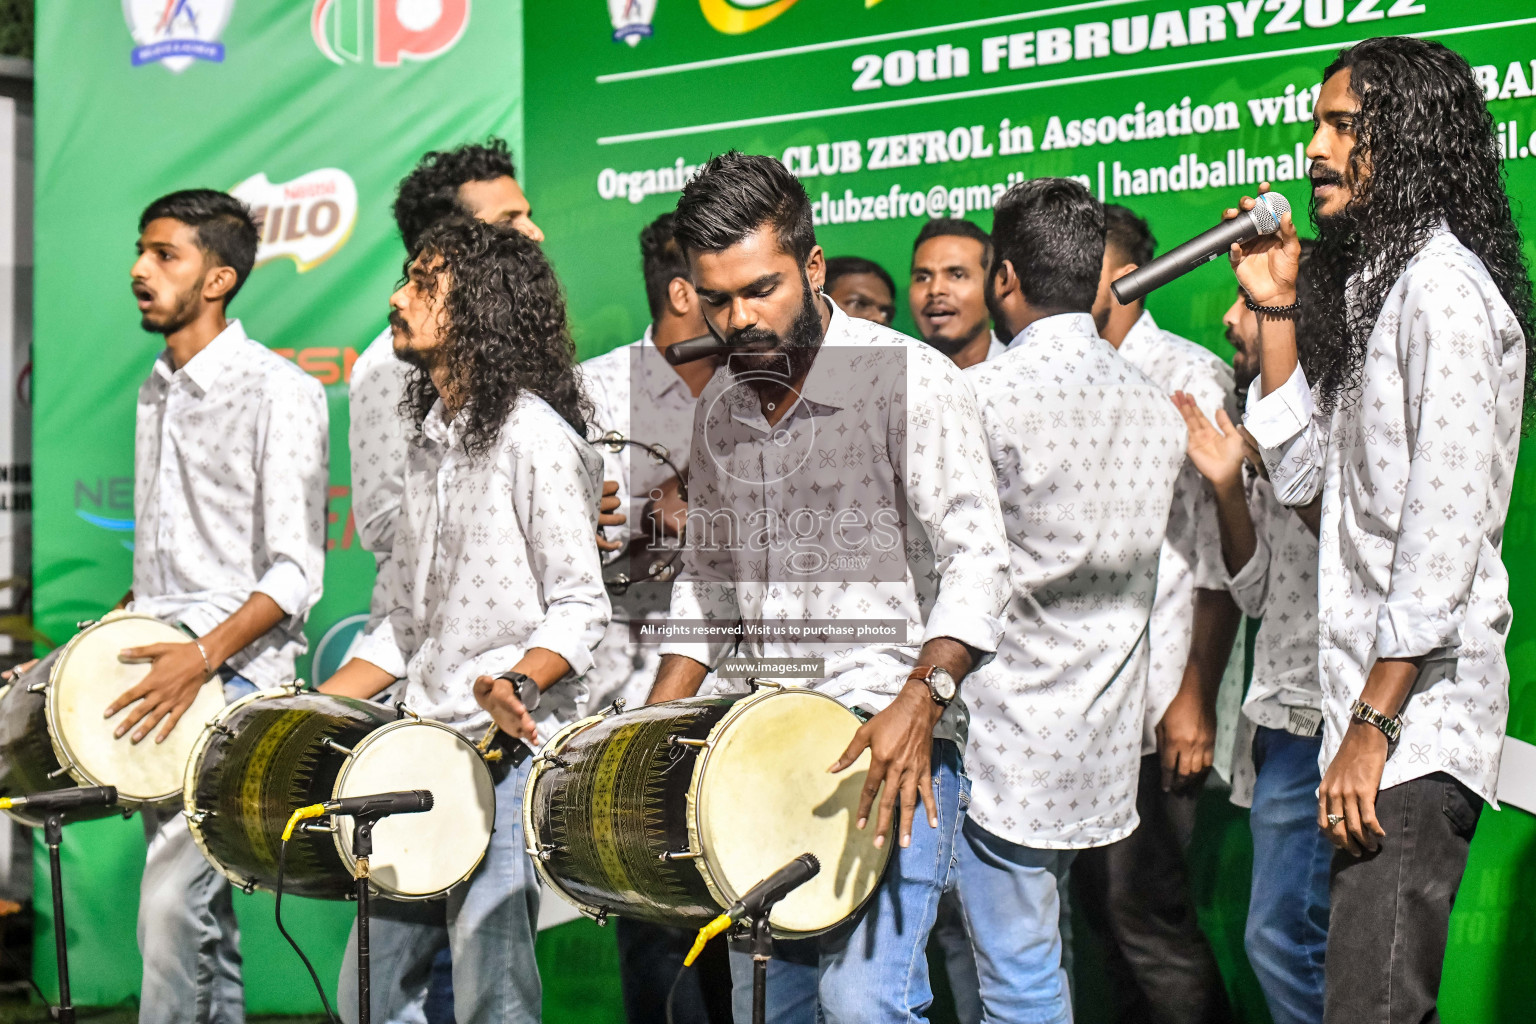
88	677
417	856
766	797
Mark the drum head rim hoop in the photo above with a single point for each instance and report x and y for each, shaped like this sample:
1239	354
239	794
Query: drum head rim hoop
554	745
195	769
56	733
707	858
343	841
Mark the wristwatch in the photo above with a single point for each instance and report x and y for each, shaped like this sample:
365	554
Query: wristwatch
1392	728
527	690
942	687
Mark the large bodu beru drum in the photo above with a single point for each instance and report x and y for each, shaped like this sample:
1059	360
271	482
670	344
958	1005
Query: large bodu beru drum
269	754
53	735
671	812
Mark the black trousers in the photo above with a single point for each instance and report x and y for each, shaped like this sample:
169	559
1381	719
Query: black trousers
1391	909
650	955
1135	894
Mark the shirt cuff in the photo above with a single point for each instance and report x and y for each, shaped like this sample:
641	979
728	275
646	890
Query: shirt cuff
285	584
379	647
1413	628
978	631
1247	581
705	654
1280	415
567	637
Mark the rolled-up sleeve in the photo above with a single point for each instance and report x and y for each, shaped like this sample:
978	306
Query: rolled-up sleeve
952	491
1284	424
294	471
704	594
555	495
1249	586
1450	366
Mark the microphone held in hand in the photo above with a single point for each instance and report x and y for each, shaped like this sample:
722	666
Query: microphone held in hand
1263	219
64	799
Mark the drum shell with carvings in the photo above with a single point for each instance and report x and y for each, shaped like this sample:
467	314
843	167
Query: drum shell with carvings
671	812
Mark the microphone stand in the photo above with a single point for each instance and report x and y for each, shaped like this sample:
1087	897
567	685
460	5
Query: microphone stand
362	849
53	835
761	943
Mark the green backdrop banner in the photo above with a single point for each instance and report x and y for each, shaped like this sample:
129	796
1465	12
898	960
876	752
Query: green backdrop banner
892	111
311	110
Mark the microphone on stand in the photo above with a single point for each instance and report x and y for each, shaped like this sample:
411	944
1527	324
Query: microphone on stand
64	799
410	802
759	899
1263	219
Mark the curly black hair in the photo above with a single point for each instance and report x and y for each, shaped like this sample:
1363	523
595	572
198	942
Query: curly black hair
506	330
431	191
1425	150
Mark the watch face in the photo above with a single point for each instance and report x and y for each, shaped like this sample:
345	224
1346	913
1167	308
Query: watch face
942	684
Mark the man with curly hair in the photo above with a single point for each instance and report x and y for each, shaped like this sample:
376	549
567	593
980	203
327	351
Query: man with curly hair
1404	410
498	473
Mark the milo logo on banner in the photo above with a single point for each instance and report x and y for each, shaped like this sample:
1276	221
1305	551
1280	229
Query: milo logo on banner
399	29
307	219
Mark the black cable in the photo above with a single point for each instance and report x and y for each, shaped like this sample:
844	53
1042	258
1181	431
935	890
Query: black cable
672	992
282	859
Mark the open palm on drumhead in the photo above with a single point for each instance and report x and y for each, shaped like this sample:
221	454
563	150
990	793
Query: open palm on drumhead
497	695
177	672
900	744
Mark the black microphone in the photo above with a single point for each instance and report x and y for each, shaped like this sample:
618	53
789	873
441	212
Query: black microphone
411	802
694	349
775	887
64	799
1263	219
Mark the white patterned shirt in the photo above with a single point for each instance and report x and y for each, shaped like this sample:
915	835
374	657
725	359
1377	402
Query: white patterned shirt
634	391
871	501
1086	450
1278	586
1415	474
493	555
231	474
1191	557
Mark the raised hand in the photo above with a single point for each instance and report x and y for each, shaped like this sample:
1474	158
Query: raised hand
1216	449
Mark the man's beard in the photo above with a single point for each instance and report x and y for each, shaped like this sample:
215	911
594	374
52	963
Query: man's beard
1329	224
952	347
409	354
780	361
1244	370
183	314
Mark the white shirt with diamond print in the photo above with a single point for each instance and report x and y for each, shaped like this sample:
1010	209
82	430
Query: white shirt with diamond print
1192	550
493	555
231	474
1416	473
1278	586
941	571
1086	450
377	436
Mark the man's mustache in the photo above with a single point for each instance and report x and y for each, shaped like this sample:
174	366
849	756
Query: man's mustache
1322	175
397	322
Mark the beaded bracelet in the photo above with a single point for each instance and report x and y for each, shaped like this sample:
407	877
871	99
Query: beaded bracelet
1294	309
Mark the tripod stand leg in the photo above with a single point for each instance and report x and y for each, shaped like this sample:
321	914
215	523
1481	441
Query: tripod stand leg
53	834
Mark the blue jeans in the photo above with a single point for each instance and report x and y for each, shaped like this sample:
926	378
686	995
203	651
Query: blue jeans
492	922
188	938
1287	933
1012	900
874	967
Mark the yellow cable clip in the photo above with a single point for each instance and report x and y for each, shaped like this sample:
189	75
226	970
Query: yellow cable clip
706	933
6	803
312	811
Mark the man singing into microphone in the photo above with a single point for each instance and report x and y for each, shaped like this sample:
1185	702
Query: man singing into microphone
860	491
493	574
1418	318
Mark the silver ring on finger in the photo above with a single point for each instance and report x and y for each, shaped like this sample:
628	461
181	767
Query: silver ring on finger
1334	819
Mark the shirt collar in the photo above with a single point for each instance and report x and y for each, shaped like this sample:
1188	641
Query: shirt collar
436	427
204	368
1062	325
660	378
829	390
1142	332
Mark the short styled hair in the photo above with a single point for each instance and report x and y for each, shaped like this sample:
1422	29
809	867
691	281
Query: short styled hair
736	194
661	260
431	191
1052	231
1128	235
956	227
842	266
221	223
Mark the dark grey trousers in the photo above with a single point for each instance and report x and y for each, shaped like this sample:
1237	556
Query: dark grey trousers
1135	894
1391	910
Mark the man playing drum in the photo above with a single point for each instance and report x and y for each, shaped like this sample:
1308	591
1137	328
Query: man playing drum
231	473
493	573
848	517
